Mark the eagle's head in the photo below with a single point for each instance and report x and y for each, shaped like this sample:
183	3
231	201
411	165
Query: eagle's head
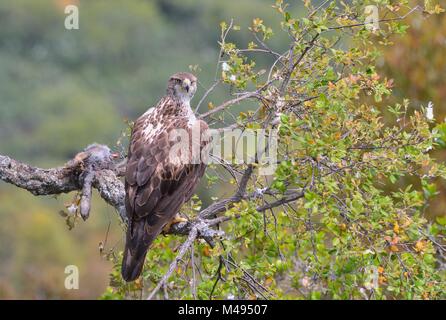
182	85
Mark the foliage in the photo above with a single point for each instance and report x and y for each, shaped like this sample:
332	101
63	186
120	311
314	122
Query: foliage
346	237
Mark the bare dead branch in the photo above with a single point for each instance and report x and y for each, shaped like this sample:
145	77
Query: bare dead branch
38	181
228	103
182	251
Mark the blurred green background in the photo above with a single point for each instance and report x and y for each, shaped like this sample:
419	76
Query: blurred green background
61	90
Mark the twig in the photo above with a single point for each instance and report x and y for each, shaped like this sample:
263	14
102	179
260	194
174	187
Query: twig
182	251
194	278
229	103
206	94
418	7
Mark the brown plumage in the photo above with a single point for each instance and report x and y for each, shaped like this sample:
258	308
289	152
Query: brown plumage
156	182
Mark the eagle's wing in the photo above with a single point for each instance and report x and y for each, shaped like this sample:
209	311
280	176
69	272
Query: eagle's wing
155	191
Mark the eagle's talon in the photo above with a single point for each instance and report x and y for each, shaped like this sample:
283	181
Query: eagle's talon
175	220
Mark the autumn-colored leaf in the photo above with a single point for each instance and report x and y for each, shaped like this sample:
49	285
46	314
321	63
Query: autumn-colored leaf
396	228
420	246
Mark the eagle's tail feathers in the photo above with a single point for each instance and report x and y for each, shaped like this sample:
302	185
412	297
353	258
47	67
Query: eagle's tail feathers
135	251
132	266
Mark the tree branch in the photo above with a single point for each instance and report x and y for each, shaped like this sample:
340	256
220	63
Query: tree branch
183	249
38	181
95	168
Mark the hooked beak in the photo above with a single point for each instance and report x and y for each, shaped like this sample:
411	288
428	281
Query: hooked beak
186	84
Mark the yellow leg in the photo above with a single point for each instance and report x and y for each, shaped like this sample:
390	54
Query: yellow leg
176	219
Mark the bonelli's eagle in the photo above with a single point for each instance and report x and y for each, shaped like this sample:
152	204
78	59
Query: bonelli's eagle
165	164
